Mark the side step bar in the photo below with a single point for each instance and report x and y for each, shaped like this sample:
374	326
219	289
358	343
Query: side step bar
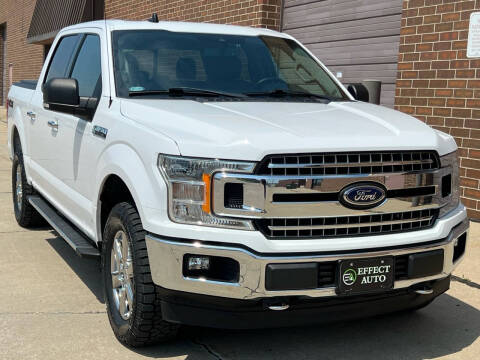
82	246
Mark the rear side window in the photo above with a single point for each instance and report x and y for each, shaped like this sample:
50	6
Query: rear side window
62	57
87	69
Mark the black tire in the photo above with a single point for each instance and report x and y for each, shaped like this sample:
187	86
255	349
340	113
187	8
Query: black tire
25	213
145	325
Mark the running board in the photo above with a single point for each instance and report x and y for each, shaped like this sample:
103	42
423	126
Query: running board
82	246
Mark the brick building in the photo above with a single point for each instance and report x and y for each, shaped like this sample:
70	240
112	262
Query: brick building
438	84
417	48
14	49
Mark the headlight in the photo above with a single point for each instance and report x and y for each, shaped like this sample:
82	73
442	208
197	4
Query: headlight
451	183
189	189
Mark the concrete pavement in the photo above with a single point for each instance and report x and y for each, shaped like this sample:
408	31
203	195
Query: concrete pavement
52	307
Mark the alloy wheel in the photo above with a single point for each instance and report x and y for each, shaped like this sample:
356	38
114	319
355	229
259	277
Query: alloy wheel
122	275
19	187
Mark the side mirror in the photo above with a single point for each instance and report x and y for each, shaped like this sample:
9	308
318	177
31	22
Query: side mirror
358	91
61	94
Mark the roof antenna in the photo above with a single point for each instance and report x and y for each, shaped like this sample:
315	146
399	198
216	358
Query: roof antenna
154	18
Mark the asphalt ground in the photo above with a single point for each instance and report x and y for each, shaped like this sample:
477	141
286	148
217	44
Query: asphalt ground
51	307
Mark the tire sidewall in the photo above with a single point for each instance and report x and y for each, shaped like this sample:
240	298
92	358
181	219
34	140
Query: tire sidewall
115	224
18	161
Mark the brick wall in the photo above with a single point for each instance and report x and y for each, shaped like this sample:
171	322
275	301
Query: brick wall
258	13
27	59
438	84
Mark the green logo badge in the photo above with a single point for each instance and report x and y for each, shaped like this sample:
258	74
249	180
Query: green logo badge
349	277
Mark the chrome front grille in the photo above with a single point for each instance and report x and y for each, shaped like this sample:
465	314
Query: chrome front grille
348	163
299	196
324	227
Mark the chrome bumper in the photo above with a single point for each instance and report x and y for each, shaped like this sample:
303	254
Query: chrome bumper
166	261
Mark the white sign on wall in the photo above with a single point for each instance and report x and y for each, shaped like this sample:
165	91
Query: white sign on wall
473	47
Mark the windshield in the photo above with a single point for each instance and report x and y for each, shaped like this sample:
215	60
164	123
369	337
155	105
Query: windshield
151	62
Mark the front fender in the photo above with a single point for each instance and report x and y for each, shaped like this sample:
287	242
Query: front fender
139	173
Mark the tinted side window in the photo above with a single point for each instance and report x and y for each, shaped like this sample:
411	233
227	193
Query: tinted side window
62	57
87	69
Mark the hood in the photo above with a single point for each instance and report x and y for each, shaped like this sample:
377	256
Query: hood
251	130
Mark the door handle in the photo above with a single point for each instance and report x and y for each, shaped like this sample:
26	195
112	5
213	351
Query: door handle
53	124
31	115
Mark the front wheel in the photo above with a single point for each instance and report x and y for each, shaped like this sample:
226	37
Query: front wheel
133	303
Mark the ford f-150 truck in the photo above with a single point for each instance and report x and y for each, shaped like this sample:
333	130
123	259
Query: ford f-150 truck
227	179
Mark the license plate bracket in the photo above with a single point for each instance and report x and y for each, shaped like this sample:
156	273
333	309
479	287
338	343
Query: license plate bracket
358	276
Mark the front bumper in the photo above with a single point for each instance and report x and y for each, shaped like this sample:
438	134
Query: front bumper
216	312
166	264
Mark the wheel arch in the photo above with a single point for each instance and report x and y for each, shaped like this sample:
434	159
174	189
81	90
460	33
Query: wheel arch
16	128
113	191
124	173
16	131
14	135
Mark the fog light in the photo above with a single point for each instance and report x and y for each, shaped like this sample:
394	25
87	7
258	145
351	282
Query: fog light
206	267
198	263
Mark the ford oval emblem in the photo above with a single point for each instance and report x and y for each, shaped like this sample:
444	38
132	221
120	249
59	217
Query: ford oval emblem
362	195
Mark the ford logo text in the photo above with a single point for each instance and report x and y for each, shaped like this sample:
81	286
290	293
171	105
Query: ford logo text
362	195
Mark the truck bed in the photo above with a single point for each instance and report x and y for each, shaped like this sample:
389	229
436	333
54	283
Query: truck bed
27	84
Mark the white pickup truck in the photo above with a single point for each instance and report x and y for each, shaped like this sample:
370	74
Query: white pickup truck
227	179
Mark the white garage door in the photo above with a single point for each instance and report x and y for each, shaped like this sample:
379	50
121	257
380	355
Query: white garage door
358	38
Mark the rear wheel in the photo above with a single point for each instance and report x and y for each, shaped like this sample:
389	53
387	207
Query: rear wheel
25	213
133	304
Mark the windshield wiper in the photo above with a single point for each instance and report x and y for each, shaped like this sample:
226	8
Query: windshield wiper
184	91
284	93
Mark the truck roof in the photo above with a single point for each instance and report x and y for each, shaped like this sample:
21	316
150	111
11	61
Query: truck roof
177	26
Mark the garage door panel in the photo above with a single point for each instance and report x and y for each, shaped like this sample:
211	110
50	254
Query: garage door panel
387	97
327	12
291	3
352	73
358	38
355	29
364	51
